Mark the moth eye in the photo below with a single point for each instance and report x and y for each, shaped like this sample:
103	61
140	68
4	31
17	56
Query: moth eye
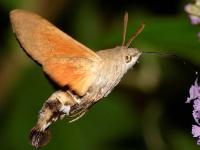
128	58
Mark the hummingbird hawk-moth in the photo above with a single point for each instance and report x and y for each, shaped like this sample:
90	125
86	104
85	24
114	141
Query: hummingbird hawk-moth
84	77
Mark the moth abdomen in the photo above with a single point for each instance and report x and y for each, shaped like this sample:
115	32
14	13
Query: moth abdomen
39	138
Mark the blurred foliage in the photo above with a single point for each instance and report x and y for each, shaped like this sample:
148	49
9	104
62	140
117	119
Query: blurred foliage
146	111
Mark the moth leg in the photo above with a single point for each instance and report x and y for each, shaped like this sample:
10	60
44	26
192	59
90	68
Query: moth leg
80	115
76	113
56	107
79	110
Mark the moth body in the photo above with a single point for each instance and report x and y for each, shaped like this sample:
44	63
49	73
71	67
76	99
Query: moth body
116	63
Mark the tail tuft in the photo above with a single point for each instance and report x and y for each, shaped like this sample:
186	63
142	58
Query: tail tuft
39	138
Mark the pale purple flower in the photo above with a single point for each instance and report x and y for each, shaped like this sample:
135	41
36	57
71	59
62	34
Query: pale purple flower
195	97
194	92
196	111
195	131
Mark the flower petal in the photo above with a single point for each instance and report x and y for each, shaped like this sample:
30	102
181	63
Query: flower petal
195	131
194	92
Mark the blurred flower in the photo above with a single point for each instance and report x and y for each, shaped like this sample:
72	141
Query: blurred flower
195	97
193	11
194	19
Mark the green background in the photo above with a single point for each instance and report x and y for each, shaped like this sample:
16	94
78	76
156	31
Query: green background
146	111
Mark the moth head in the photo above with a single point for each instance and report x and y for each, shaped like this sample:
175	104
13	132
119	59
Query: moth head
130	55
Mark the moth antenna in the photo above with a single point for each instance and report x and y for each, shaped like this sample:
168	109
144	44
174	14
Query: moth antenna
138	31
125	27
